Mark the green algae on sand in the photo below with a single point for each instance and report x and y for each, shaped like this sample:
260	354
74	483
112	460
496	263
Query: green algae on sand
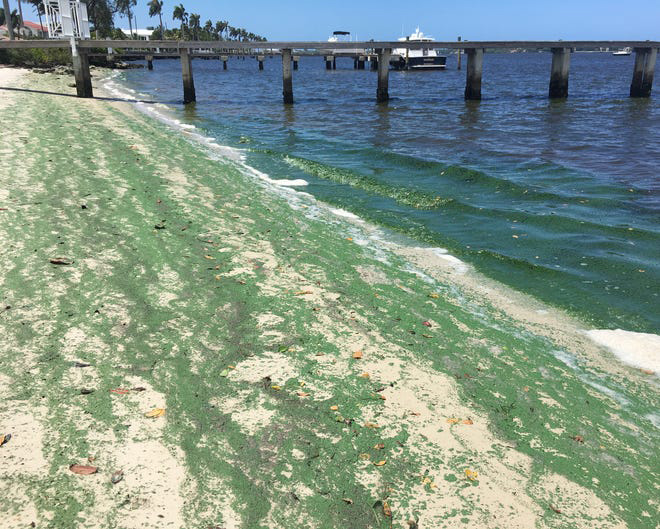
271	421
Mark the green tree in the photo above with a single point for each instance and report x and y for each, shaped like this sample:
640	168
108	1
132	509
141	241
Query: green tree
156	8
195	25
124	7
100	16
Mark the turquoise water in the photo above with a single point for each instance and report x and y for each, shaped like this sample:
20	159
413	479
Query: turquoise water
558	199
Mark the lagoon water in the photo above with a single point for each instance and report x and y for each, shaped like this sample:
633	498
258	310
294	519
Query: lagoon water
558	199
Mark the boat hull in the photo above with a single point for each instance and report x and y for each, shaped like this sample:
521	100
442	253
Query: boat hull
438	62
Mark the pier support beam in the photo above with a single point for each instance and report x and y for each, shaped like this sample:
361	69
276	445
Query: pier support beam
328	62
475	65
287	77
642	80
360	62
561	60
296	58
81	71
224	60
189	95
373	63
382	92
150	62
459	55
260	58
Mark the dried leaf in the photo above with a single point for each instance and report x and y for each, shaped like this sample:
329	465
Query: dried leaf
364	457
63	261
380	463
156	412
558	511
365	375
83	470
387	511
433	295
357	355
334	408
117	477
471	474
209	257
371	425
648	371
302	394
4	439
379	446
303	292
468	421
452	420
276	388
426	323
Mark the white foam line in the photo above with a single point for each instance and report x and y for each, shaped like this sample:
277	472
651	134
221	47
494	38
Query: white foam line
636	349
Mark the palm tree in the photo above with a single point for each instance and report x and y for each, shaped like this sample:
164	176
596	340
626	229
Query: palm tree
6	18
156	8
39	7
194	25
124	7
180	14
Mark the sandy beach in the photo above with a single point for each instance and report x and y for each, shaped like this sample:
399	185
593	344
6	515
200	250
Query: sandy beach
305	380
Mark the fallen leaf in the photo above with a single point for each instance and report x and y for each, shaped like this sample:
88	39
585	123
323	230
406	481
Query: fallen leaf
120	391
334	408
433	295
365	375
156	412
426	323
468	421
452	420
349	238
303	292
357	355
276	388
117	477
578	438
209	257
83	470
380	463
302	394
347	500
61	261
386	509
371	425
364	457
379	446
471	474
558	511
4	439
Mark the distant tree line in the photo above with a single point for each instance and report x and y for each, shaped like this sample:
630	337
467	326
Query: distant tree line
102	13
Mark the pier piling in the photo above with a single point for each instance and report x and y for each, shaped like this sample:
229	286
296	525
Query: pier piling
328	62
296	58
81	72
643	72
150	62
382	92
475	64
561	60
287	77
189	95
224	59
260	58
360	62
459	56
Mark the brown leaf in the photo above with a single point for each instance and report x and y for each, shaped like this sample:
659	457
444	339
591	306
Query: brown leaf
156	412
468	421
379	446
117	477
387	511
303	292
647	371
380	463
371	425
558	511
61	261
334	408
83	470
357	355
578	438
302	394
4	439
365	375
452	420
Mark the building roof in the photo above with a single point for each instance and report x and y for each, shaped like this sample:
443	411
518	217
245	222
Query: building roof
34	25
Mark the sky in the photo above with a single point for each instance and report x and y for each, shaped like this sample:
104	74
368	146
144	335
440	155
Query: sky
389	19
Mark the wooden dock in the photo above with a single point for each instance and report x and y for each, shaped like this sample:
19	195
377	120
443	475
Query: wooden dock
377	53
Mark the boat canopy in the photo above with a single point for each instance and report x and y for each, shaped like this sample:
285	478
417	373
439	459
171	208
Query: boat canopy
341	32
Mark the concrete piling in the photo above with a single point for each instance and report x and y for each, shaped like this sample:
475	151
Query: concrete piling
296	58
150	62
189	95
459	55
224	59
561	59
360	62
642	81
328	62
81	71
382	92
287	77
373	63
260	58
475	64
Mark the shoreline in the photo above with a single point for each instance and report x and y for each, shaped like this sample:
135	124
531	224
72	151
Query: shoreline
188	279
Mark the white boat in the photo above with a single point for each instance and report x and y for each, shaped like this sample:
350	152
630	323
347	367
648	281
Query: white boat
422	59
624	51
343	36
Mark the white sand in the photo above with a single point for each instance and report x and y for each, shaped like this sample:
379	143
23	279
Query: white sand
9	75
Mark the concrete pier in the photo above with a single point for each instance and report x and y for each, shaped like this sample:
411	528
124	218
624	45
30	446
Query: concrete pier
81	72
459	55
382	92
328	62
373	63
296	58
189	95
287	77
224	59
360	62
642	81
260	58
150	62
475	64
561	60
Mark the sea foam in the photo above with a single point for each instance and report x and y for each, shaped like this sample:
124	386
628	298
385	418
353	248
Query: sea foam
637	349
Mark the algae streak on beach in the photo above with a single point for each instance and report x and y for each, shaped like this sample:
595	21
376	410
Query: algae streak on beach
185	345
